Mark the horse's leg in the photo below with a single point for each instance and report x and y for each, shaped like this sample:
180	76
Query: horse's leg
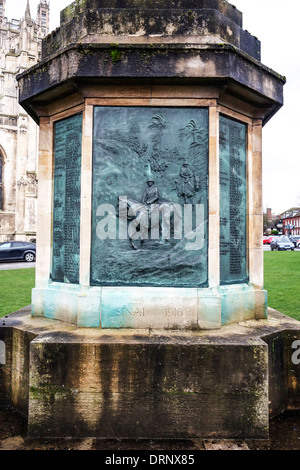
132	244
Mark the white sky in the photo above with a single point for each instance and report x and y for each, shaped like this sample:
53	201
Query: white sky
275	24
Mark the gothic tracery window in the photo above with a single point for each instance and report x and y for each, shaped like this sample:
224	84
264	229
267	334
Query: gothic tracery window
1	181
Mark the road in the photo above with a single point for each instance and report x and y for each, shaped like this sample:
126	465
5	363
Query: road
16	265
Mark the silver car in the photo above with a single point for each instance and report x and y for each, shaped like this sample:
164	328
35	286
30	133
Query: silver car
282	243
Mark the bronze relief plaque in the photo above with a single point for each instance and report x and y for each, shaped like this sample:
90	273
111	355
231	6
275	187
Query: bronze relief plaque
149	197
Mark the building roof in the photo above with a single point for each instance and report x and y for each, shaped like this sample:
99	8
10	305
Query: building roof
293	212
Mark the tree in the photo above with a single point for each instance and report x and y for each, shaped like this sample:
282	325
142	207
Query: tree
158	123
197	134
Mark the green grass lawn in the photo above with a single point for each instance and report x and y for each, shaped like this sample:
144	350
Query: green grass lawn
282	281
15	289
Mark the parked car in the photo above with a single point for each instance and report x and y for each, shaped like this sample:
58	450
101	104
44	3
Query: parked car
282	243
296	240
268	239
17	251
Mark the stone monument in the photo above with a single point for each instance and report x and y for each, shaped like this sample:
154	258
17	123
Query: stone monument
139	89
149	251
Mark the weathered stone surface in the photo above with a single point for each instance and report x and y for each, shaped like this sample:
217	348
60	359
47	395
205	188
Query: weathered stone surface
221	64
14	374
149	307
165	24
284	371
20	364
145	384
225	444
5	365
187	41
78	7
149	388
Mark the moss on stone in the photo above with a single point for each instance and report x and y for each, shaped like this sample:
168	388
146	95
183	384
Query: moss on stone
47	391
190	15
115	54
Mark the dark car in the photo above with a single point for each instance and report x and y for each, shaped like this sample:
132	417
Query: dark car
17	251
282	243
296	240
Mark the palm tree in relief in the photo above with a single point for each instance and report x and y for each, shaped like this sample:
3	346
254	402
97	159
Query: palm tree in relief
159	124
197	134
197	152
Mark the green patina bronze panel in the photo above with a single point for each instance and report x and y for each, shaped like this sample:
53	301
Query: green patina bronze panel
66	204
233	202
150	196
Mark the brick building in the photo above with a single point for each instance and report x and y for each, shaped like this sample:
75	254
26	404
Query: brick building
291	222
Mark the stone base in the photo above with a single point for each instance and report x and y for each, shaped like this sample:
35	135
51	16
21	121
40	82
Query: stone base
79	382
149	307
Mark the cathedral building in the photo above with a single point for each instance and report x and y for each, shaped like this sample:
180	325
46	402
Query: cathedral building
20	48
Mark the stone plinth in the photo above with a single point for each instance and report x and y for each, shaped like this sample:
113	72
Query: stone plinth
79	382
150	22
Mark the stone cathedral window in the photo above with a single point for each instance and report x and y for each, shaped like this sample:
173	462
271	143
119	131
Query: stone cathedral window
1	182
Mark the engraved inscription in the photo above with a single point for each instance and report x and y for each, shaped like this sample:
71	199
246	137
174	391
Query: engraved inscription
232	201
66	205
174	312
125	311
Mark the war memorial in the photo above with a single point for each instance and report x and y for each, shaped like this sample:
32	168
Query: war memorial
149	318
